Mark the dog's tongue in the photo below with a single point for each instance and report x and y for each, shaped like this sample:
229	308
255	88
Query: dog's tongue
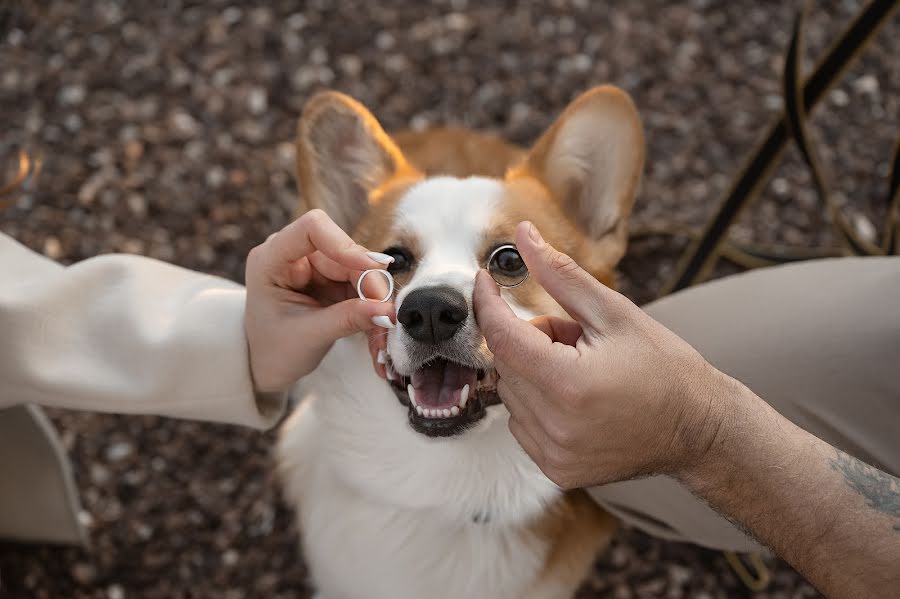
439	383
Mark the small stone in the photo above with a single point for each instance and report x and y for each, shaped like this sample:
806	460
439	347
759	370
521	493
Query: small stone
232	15
137	204
99	474
350	64
257	100
419	122
780	186
230	233
230	557
143	531
184	124
85	518
133	246
318	56
73	122
457	22
396	63
384	40
119	451
287	154
581	63
839	97
84	573
72	94
115	591
679	575
865	228
215	176
134	150
237	177
296	21
867	84
52	248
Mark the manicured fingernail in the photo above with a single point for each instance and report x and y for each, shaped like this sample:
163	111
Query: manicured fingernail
534	234
383	322
382	357
380	258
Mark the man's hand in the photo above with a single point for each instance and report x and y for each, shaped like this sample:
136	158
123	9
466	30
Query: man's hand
301	298
608	396
613	395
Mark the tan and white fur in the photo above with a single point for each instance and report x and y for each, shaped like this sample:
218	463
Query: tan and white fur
385	510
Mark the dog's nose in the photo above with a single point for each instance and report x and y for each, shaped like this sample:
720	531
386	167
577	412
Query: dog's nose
433	314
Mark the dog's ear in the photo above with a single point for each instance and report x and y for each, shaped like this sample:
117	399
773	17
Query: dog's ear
590	160
343	155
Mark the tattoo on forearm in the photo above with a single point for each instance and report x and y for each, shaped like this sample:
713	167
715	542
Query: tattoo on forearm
881	490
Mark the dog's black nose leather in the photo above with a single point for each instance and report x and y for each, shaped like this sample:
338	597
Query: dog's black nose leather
433	314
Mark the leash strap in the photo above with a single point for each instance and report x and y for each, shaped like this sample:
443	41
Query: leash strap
27	168
756	581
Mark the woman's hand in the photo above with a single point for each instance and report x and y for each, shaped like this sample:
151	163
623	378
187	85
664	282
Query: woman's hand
301	298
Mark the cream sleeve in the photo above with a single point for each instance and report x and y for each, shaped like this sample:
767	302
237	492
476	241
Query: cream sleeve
125	334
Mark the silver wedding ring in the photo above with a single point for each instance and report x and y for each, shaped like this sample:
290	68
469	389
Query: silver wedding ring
386	274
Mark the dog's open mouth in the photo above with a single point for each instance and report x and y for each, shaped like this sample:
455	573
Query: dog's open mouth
443	397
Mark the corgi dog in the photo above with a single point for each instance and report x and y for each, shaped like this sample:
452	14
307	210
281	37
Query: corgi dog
406	481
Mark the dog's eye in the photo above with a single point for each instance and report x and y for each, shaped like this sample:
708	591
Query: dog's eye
507	267
402	260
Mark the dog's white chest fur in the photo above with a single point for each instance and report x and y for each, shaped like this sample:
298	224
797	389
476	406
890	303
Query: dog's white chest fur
387	512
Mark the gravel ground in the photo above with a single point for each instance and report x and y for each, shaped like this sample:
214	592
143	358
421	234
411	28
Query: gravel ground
165	129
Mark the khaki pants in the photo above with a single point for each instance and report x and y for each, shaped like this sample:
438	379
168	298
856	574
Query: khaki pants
819	341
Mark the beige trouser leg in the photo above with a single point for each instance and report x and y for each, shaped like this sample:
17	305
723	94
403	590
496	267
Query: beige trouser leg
819	341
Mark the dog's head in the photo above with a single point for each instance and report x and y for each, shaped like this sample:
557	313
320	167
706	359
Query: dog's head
577	184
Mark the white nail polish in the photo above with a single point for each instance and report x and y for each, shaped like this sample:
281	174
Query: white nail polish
383	322
380	258
382	357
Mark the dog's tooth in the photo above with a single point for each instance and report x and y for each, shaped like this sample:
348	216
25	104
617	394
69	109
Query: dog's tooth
412	394
419	410
454	411
429	413
382	357
446	413
463	397
389	370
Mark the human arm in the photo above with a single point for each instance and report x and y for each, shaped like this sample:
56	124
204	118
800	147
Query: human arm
132	335
614	395
833	517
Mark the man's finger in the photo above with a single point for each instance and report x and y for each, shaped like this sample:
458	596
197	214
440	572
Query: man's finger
509	337
316	231
580	294
527	441
560	330
520	398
